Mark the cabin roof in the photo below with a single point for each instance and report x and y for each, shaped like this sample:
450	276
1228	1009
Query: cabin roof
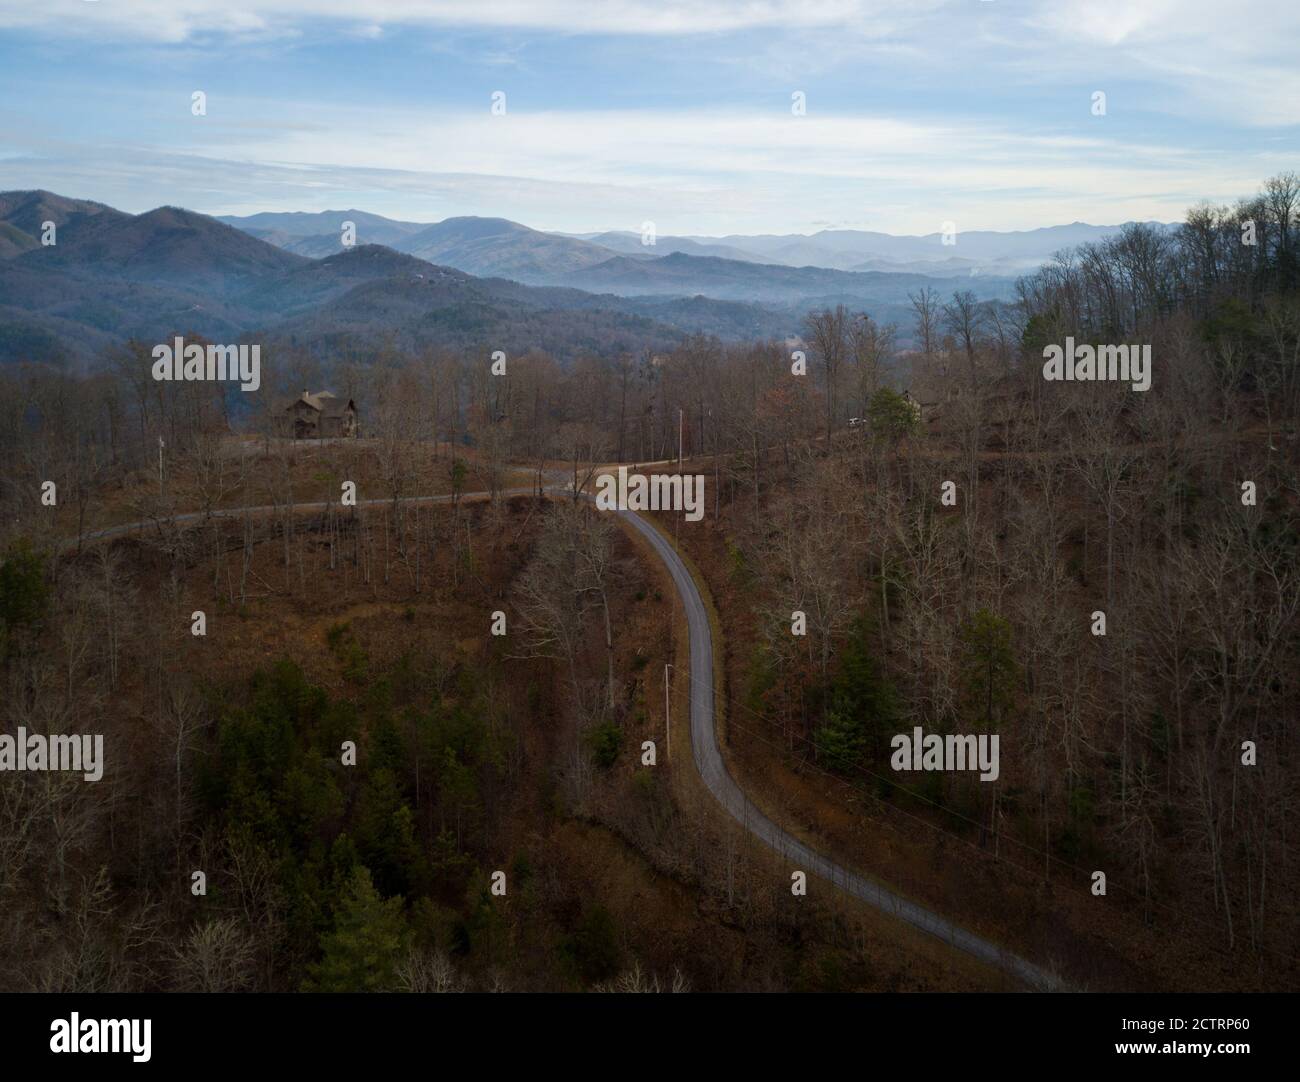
326	403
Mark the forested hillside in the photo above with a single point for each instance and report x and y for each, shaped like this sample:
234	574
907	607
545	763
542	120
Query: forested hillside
1108	579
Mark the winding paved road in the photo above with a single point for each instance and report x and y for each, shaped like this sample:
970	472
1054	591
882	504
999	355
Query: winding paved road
704	744
713	771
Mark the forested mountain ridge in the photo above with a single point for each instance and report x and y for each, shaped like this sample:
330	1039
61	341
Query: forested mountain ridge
487	246
109	277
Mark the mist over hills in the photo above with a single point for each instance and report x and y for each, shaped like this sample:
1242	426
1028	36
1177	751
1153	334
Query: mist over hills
463	282
989	252
627	242
489	246
480	246
495	247
731	279
745	270
318	235
111	276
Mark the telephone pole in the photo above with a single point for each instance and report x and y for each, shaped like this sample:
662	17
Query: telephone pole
668	722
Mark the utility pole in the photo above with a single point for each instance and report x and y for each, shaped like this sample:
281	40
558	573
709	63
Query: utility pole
717	490
161	445
680	418
668	724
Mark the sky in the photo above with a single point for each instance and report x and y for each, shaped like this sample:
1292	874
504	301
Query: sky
916	113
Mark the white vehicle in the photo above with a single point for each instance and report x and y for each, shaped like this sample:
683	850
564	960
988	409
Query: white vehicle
857	422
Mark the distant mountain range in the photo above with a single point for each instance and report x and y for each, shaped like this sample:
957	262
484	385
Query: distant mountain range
747	270
982	251
111	276
483	283
497	246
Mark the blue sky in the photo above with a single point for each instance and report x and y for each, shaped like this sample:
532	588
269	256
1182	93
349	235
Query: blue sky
918	112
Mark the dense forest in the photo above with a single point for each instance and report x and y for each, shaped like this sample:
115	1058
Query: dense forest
1161	751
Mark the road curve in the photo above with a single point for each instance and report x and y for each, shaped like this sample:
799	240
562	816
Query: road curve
713	771
704	739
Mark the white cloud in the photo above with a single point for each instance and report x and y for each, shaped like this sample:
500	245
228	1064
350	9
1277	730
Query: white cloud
1234	61
691	172
1228	61
728	165
176	20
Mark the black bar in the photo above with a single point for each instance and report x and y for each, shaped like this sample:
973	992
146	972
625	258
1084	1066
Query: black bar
582	1034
